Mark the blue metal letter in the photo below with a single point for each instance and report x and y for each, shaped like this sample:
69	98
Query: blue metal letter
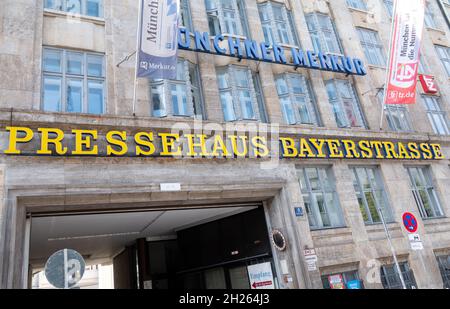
219	50
251	49
235	45
186	43
266	55
312	57
202	42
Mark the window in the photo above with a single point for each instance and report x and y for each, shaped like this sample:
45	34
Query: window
348	276
444	55
389	7
430	19
84	7
397	115
423	65
391	280
178	97
437	116
227	16
323	33
185	15
346	107
73	82
357	4
424	192
373	48
398	118
239	92
296	99
371	195
320	198
444	267
277	23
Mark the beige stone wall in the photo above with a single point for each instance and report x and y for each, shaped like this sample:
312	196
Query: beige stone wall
44	183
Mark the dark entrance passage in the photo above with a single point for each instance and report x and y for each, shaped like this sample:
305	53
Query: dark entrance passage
214	255
190	248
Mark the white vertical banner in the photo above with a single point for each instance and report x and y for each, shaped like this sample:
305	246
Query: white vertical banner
404	58
158	39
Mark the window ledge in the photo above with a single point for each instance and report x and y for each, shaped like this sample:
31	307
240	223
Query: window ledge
375	67
440	31
375	226
56	13
330	230
436	220
360	11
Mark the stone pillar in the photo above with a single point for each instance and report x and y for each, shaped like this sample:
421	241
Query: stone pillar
354	220
3	204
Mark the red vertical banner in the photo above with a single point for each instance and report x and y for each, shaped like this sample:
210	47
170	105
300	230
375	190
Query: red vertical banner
405	52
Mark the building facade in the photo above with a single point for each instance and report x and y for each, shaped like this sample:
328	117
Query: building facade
70	65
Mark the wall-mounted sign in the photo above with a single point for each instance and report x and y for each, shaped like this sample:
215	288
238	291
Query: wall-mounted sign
64	269
410	222
429	84
120	143
311	259
278	240
298	212
261	276
416	242
252	50
170	187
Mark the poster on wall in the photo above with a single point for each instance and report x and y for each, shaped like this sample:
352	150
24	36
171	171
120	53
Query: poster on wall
261	276
336	282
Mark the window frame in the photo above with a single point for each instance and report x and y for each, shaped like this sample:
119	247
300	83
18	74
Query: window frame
234	89
166	96
64	76
361	194
217	15
83	8
319	33
407	272
444	268
356	104
315	216
427	185
357	5
308	97
445	61
273	23
401	113
376	45
436	112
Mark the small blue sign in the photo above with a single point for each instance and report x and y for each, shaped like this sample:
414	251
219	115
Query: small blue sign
298	212
354	285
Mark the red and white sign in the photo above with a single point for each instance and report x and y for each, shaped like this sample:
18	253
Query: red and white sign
405	52
261	276
410	222
428	84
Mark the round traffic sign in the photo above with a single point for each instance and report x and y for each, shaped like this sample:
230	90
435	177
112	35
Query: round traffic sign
64	269
410	222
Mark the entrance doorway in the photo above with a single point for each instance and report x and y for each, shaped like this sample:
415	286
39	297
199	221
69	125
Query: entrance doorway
192	248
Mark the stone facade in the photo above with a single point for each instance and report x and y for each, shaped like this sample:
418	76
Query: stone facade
36	184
